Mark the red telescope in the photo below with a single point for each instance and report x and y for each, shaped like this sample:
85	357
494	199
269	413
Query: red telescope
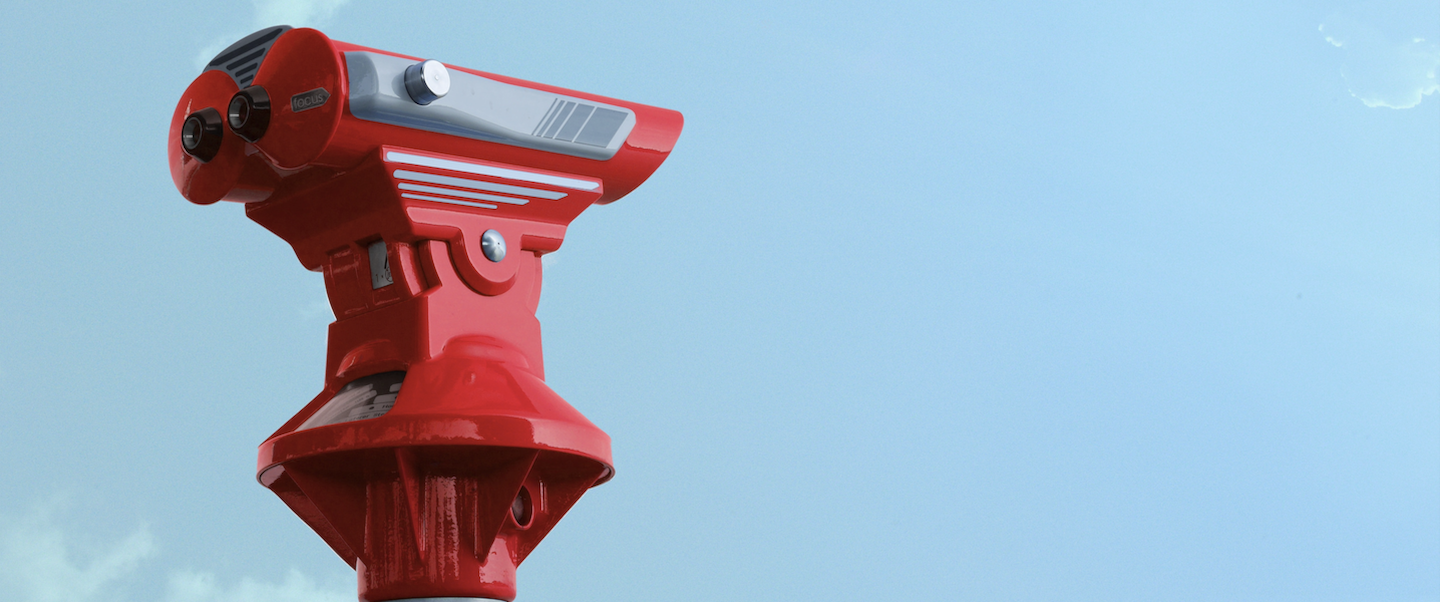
436	458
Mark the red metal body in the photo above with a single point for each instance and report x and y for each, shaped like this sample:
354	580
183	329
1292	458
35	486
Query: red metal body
444	494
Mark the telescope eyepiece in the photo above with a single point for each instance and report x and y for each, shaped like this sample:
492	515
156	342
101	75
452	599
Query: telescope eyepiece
201	134
249	113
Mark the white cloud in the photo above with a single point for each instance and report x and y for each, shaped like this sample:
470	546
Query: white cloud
41	562
38	564
295	13
1380	69
298	13
202	587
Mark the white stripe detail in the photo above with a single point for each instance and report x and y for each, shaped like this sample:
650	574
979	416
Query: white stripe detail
421	197
486	170
464	194
430	178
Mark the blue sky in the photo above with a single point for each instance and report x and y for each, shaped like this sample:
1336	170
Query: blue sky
933	301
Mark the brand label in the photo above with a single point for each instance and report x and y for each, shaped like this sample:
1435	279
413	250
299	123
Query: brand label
305	101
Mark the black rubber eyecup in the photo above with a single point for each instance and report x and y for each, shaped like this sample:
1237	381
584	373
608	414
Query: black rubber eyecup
201	134
249	113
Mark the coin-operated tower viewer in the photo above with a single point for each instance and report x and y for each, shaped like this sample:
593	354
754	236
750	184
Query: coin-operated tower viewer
436	458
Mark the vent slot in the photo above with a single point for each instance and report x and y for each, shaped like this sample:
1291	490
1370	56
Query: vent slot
579	123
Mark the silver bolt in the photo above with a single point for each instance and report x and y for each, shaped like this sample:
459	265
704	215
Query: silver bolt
427	81
493	245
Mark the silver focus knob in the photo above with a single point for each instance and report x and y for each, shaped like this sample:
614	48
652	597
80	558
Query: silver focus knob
427	81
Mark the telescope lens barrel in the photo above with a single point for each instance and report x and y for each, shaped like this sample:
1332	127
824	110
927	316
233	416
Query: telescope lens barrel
201	134
249	113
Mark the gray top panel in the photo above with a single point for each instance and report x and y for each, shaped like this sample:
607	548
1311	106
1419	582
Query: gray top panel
485	109
242	59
